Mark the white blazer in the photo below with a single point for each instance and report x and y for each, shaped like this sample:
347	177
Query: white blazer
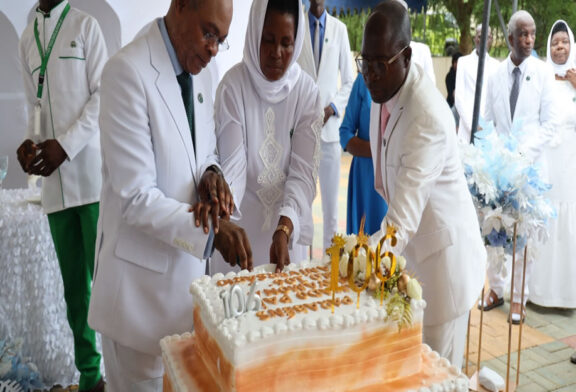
428	199
536	111
148	249
335	58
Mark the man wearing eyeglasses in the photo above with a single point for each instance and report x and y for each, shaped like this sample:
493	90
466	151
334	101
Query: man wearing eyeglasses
159	159
419	173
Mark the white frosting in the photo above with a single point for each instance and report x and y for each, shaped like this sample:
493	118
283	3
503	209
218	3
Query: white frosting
244	339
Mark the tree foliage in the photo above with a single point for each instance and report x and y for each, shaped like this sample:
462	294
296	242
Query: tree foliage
462	11
468	14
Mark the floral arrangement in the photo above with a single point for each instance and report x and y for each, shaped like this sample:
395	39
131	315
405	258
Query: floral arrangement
385	275
506	189
16	370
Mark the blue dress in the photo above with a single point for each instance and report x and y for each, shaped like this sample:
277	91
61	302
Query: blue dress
362	197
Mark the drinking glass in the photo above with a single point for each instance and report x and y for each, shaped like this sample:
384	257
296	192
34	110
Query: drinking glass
3	167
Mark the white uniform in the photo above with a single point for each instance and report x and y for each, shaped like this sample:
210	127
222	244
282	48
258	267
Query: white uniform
537	113
70	103
554	270
466	89
429	203
148	248
268	139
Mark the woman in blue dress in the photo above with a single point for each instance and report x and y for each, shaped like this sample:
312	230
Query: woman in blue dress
363	200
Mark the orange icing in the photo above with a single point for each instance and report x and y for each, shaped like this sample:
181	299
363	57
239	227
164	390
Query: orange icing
286	374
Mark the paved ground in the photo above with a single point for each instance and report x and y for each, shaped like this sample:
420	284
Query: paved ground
548	336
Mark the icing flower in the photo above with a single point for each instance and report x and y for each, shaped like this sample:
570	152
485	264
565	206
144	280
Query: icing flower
344	265
350	243
401	263
414	290
387	262
360	264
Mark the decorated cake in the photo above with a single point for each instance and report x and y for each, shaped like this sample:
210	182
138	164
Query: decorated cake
347	324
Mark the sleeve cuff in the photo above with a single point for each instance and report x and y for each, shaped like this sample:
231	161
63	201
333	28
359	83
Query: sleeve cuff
335	110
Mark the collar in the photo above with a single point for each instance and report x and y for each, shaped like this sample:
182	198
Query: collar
392	102
54	13
510	65
312	19
169	47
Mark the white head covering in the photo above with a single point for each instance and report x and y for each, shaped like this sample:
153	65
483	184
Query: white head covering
271	91
560	69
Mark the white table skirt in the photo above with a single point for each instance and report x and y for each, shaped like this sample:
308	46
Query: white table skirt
31	293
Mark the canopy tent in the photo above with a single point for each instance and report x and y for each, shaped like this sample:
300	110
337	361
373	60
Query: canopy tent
351	5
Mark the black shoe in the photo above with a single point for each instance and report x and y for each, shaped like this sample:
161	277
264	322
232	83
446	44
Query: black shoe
573	358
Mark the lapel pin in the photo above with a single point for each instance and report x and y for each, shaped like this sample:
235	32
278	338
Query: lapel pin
200	98
527	78
73	44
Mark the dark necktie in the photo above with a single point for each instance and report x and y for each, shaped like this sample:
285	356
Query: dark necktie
185	82
514	92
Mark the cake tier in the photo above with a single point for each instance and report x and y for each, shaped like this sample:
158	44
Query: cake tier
299	338
187	372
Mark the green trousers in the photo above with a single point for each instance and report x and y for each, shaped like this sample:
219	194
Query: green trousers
74	235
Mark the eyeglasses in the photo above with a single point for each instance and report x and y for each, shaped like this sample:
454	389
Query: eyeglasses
213	40
379	66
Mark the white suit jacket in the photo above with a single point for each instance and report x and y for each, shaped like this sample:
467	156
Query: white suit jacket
465	90
536	111
428	199
148	249
335	58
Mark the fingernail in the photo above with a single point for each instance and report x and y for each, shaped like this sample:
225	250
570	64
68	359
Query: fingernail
197	223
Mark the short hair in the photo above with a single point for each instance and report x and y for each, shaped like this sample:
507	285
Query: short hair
515	18
291	7
558	27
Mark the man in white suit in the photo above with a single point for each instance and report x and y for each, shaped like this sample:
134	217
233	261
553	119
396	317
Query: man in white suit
465	90
419	173
330	51
159	158
520	94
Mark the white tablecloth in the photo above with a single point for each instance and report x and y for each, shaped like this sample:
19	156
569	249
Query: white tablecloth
31	293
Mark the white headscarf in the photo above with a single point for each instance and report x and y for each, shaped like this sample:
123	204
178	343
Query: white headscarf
560	69
278	90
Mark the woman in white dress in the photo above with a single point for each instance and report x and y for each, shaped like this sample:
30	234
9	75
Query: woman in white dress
268	122
552	281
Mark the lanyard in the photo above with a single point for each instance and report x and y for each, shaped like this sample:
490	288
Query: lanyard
46	56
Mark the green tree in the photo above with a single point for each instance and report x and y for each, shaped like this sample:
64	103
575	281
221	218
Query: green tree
462	11
468	13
